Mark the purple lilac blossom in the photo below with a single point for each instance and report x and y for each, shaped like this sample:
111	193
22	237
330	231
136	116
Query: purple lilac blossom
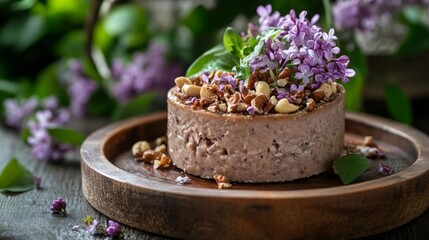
18	110
113	229
302	46
385	170
251	110
365	15
93	227
146	71
59	206
79	88
43	146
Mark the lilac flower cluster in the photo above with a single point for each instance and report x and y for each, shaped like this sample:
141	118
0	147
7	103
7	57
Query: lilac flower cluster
79	87
364	15
59	206
43	146
146	71
296	42
18	110
41	115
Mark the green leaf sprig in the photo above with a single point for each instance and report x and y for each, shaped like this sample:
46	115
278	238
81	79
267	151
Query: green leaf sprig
16	178
66	135
349	167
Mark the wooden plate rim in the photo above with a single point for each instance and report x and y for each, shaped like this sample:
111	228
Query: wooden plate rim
93	155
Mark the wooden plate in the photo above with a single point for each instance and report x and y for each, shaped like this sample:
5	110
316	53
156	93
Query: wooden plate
319	207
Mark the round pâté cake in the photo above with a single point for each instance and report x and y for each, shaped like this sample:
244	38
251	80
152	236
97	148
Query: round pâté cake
265	106
255	148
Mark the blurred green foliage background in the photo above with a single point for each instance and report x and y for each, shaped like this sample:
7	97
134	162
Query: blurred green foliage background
39	37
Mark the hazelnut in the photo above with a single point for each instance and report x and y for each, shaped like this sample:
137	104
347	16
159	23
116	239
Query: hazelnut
191	90
263	87
161	148
283	106
161	140
180	81
139	148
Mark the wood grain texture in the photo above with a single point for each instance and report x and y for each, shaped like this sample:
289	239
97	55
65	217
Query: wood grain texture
27	215
303	209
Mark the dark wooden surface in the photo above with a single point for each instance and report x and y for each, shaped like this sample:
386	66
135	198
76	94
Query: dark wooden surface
27	215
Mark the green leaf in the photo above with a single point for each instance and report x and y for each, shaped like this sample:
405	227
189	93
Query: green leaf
9	87
215	58
125	19
136	106
100	103
354	88
260	45
197	20
24	133
20	33
233	43
398	104
16	178
350	167
328	14
416	42
47	83
66	135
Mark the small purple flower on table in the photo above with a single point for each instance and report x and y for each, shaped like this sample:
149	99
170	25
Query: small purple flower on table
384	170
59	206
113	229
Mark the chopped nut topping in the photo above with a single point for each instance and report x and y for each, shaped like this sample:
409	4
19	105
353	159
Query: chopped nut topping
285	74
150	156
164	162
222	181
369	142
139	148
180	81
191	90
311	105
222	92
258	103
161	140
161	148
283	106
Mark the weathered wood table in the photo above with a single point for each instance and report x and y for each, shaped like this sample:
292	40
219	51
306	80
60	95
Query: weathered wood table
27	215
